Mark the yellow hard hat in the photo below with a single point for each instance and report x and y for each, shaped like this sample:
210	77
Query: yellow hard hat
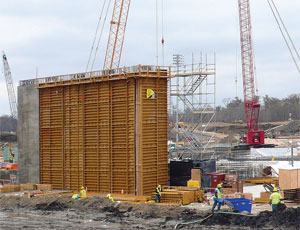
82	187
219	186
159	186
275	190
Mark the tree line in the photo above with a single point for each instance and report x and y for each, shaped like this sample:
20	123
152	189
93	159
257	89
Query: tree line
7	124
272	109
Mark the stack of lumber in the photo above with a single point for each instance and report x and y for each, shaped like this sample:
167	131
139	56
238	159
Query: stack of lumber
25	187
10	188
292	195
28	187
181	195
289	182
262	180
264	198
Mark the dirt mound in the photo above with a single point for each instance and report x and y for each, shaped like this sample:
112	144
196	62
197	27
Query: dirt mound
99	204
53	206
156	211
283	217
55	203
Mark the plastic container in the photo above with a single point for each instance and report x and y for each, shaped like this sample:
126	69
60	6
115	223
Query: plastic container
240	204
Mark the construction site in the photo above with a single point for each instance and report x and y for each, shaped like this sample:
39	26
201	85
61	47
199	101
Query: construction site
149	146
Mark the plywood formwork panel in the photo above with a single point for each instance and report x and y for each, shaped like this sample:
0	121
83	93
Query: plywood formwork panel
289	178
51	131
89	136
153	143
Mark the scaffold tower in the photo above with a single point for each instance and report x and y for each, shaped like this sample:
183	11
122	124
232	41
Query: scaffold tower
192	103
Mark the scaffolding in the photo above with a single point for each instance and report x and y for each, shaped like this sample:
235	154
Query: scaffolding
192	103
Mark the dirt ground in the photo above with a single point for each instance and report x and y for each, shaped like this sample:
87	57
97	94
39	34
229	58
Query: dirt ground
100	213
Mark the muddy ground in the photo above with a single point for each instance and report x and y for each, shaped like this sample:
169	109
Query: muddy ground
101	213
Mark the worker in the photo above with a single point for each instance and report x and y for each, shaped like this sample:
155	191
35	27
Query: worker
82	192
75	196
110	197
275	199
11	159
217	198
158	191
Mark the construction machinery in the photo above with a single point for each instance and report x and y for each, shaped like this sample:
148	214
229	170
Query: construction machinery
10	87
255	136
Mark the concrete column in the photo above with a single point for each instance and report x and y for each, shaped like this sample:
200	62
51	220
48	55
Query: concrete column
28	134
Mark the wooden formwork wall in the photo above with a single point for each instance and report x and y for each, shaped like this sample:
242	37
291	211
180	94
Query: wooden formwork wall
152	120
107	136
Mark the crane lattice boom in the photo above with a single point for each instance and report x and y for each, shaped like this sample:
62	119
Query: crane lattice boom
252	107
10	88
116	35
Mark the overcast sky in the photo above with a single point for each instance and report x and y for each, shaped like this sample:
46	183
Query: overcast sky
56	36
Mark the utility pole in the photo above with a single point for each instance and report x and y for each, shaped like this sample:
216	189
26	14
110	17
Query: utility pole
292	153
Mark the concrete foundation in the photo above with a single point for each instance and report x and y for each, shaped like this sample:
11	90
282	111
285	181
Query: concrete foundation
28	134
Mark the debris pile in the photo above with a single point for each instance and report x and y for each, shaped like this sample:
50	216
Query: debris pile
288	218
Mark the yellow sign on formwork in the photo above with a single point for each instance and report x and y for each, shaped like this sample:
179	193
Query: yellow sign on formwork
150	94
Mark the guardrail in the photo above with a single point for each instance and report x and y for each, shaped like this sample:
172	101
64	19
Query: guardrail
108	74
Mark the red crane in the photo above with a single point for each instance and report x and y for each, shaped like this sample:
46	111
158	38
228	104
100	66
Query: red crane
255	136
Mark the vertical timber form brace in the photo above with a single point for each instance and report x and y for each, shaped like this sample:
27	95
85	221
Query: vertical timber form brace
251	108
116	35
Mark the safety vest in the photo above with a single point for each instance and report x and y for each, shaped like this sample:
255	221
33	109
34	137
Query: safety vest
158	191
275	197
110	197
83	193
75	196
219	193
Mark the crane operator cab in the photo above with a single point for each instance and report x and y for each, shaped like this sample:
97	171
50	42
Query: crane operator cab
256	137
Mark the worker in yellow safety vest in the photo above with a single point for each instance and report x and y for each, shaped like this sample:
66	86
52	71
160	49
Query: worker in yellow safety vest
275	199
158	191
75	197
82	192
217	198
11	159
110	197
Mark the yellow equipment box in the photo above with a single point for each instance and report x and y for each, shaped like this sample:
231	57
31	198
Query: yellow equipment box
193	184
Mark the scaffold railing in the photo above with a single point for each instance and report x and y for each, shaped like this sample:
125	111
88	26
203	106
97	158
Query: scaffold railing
102	75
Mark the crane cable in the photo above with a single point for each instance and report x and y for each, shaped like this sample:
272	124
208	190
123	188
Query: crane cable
291	40
236	51
157	26
100	36
95	37
162	31
285	39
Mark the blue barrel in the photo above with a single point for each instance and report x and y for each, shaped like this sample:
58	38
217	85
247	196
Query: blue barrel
240	204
